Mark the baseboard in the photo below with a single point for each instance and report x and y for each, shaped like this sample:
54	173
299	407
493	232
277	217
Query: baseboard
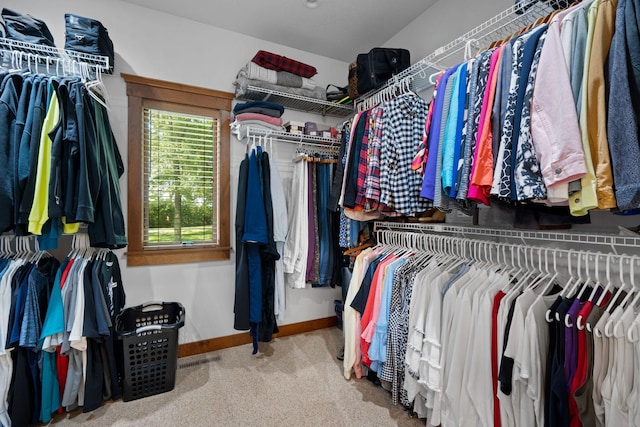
213	344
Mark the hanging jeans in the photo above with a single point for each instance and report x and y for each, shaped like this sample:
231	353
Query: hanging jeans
324	224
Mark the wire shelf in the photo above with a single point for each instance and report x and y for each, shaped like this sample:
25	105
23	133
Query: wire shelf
497	28
576	238
21	52
297	102
419	75
294	138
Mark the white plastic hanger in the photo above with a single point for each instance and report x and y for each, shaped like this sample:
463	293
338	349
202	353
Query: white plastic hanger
585	285
571	286
96	88
550	277
631	336
615	330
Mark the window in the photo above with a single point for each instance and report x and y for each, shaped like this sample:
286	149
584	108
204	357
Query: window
178	174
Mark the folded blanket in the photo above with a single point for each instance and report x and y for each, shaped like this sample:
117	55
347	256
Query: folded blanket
276	62
239	129
281	78
276	121
241	84
266	111
270	106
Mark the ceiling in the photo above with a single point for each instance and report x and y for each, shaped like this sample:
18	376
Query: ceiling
338	29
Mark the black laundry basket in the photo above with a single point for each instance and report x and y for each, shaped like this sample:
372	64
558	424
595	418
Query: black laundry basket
149	334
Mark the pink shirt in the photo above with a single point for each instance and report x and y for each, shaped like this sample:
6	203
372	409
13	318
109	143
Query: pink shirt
554	121
372	308
482	169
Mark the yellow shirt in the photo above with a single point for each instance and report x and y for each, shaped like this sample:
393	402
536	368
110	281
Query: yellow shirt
39	213
596	108
581	202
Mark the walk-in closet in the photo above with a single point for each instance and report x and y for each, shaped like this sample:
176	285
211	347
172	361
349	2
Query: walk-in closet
315	212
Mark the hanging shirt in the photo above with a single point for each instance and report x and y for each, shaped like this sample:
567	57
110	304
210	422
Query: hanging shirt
596	113
581	202
422	153
280	227
462	123
40	209
350	316
296	246
399	185
622	121
453	130
527	177
372	179
482	169
502	187
439	199
554	123
429	180
479	77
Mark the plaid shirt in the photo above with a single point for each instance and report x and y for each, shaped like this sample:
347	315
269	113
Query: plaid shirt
363	159
419	162
405	117
275	62
372	180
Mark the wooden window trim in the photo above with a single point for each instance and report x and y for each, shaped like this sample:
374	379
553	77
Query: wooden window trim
140	89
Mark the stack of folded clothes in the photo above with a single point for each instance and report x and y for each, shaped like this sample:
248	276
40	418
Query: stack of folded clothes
256	114
279	73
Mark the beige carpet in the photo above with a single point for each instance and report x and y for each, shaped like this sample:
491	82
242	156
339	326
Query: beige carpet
293	381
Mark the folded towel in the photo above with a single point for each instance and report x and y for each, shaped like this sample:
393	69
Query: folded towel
242	83
276	62
276	121
266	111
282	78
241	107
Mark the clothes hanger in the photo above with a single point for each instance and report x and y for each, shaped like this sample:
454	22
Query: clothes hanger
96	88
634	326
608	327
567	286
355	251
572	288
598	284
632	292
587	282
619	292
579	321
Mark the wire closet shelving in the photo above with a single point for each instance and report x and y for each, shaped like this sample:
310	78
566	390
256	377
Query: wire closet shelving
297	102
419	76
308	141
15	53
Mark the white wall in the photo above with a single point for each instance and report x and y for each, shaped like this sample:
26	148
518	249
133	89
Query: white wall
156	45
444	22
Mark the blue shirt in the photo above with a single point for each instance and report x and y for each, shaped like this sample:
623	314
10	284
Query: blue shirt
429	180
378	347
255	220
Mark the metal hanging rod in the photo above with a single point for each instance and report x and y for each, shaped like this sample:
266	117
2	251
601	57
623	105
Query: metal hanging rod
544	258
612	241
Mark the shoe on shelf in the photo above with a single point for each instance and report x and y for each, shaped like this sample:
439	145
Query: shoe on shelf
433	216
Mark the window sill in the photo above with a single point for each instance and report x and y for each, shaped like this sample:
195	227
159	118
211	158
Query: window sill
177	256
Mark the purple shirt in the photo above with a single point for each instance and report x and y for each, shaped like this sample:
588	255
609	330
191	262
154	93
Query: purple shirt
429	180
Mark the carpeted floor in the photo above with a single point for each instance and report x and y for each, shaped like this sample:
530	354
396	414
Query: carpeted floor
293	381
